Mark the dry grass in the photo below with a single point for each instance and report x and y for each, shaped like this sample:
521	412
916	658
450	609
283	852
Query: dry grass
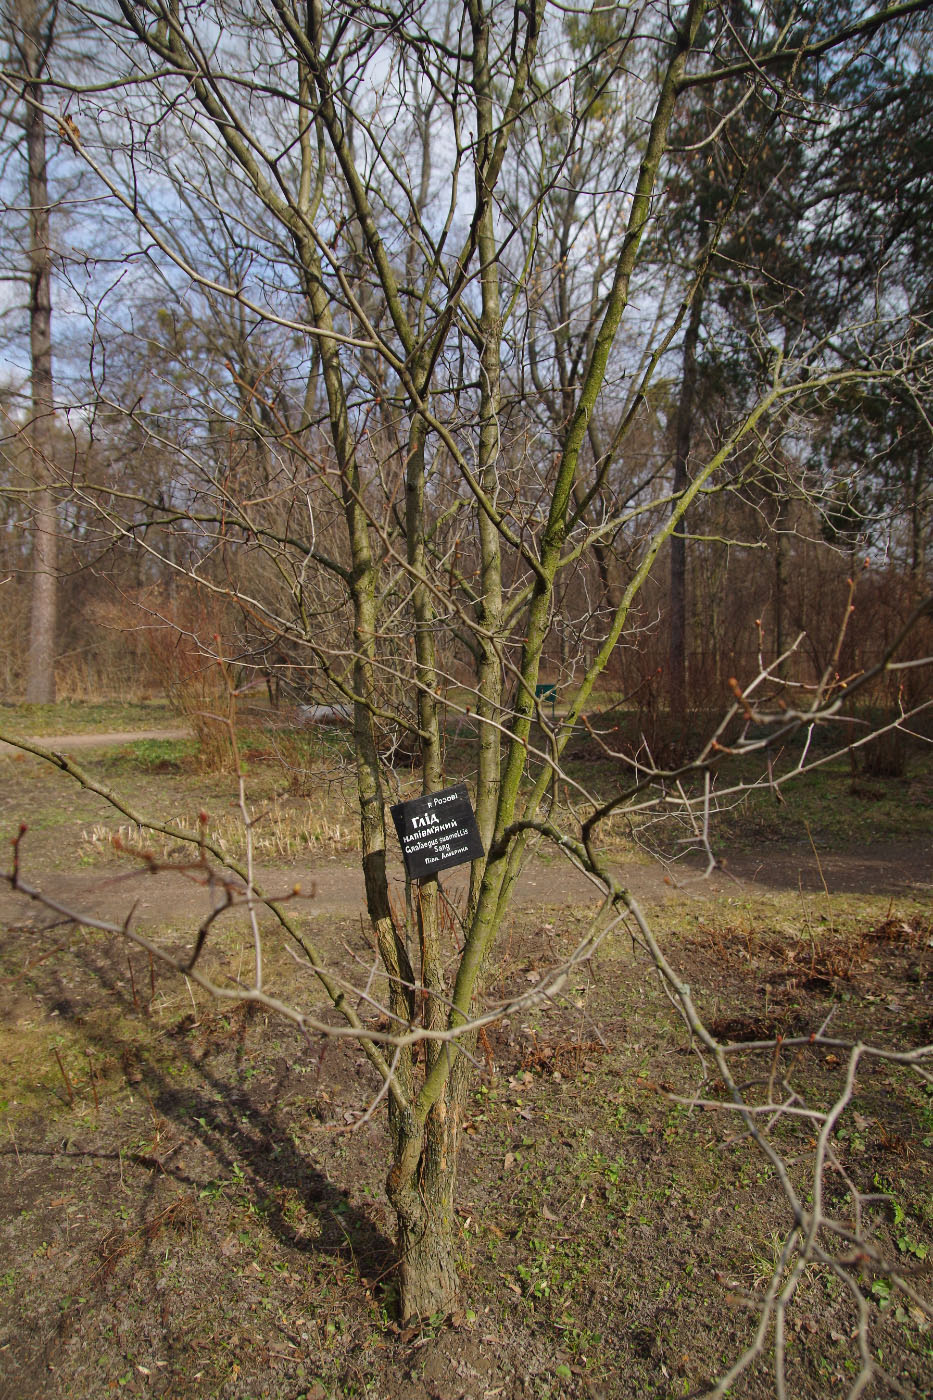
282	830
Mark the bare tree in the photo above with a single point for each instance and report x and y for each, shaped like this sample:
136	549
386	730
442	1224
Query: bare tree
29	30
364	481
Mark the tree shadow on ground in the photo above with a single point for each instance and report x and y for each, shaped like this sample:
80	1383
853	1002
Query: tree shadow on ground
243	1127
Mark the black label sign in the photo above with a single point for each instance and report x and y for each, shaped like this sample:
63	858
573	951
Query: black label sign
437	831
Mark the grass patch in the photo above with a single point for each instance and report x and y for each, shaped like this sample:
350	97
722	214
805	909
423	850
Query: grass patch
834	808
84	717
153	756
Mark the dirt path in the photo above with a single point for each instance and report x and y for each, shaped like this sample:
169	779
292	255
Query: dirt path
903	868
333	887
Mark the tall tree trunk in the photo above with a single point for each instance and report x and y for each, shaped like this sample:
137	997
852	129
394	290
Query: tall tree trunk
915	473
40	683
780	549
677	663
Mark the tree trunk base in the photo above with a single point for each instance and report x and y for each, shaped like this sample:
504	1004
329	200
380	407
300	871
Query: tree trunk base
428	1280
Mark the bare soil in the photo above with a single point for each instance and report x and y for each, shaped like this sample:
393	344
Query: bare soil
333	887
191	1206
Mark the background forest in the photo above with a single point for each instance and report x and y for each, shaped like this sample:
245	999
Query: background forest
788	224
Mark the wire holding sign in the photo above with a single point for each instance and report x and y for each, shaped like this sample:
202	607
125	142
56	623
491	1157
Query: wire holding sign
437	831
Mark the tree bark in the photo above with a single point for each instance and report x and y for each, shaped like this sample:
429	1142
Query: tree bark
780	577
677	663
40	683
427	1263
421	1186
